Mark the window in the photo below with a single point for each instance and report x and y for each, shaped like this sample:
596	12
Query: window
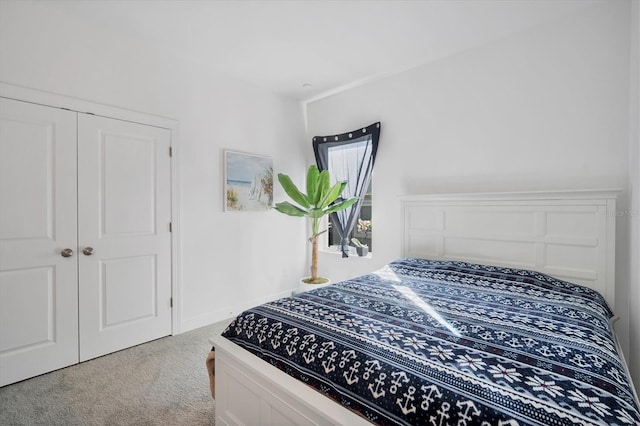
350	157
363	230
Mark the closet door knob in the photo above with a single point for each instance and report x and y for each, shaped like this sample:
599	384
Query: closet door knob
67	252
88	251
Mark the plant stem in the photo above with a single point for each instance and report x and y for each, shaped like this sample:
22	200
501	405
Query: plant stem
314	257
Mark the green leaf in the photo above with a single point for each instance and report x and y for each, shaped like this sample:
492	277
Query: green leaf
292	190
323	187
316	213
332	194
342	205
312	183
289	209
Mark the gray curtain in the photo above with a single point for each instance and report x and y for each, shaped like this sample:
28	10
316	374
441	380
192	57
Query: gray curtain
348	157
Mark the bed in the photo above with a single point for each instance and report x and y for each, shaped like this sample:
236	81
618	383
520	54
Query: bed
498	312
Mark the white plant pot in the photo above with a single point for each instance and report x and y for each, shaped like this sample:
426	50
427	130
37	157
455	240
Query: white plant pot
303	286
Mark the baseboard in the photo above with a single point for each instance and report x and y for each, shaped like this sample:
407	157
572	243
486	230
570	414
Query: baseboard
228	312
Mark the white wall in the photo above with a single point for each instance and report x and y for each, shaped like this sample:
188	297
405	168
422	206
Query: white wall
228	260
634	187
545	109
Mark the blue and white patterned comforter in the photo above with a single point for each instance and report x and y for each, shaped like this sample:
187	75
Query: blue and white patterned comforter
425	342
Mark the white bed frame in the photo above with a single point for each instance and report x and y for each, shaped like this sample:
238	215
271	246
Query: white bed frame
566	234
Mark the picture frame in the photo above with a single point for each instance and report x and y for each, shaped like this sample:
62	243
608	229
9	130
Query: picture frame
248	182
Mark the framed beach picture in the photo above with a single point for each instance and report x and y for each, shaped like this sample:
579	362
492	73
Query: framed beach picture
248	182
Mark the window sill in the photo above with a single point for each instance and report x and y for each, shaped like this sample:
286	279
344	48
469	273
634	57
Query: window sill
352	252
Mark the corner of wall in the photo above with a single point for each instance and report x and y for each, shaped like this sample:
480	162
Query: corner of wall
634	193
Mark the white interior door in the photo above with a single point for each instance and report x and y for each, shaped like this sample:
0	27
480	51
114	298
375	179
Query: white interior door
38	286
124	215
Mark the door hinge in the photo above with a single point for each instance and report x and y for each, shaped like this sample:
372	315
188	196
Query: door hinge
171	302
170	227
170	152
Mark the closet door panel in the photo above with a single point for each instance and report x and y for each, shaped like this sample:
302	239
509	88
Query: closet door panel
124	216
38	286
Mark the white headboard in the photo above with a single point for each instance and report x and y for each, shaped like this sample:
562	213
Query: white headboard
566	234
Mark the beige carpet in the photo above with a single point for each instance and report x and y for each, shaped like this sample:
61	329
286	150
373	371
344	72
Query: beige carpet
163	382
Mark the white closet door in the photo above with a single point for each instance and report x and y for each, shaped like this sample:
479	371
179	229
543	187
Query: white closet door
38	286
124	214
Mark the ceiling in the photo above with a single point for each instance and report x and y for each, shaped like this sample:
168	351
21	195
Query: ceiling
284	46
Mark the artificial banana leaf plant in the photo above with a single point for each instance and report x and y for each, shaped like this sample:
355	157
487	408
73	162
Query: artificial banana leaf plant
321	199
